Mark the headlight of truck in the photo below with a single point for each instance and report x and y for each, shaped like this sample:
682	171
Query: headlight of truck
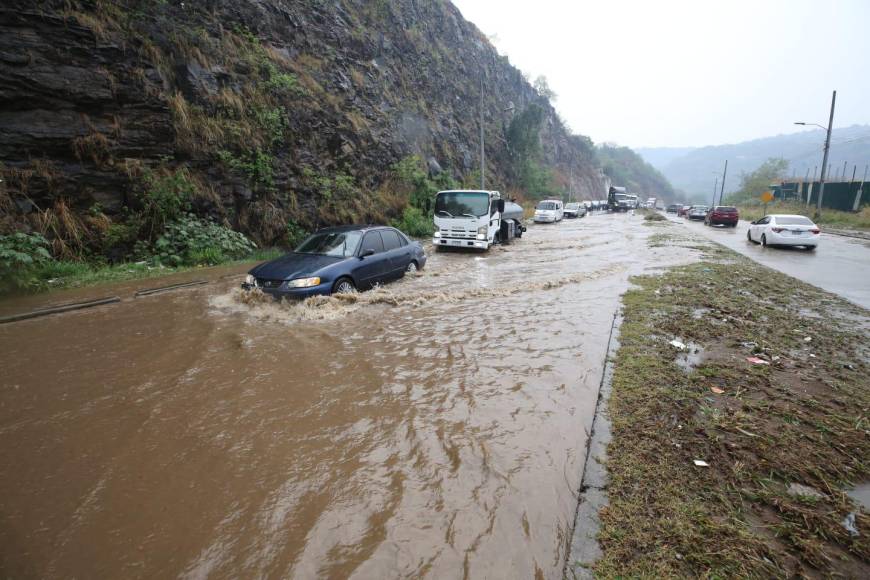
436	235
303	282
482	230
250	280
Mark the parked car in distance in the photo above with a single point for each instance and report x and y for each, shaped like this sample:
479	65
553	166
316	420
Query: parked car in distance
784	230
338	260
698	212
588	205
549	210
684	210
722	214
593	205
673	208
574	210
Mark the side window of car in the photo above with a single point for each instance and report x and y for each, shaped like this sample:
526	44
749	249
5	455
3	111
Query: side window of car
372	241
391	239
764	220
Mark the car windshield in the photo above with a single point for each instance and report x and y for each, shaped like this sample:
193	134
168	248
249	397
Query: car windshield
462	203
572	206
546	205
793	221
339	244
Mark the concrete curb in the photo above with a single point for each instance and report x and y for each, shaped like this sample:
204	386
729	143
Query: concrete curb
584	549
846	233
58	309
160	289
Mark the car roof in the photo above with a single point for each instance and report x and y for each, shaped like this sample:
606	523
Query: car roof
350	228
788	215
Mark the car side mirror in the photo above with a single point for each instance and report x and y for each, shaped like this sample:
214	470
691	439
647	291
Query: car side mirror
500	206
366	253
752	223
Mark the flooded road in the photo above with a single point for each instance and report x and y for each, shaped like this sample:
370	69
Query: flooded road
432	428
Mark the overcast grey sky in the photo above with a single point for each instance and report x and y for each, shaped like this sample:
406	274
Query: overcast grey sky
688	72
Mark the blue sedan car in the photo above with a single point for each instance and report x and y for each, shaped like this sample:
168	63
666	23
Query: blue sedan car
339	259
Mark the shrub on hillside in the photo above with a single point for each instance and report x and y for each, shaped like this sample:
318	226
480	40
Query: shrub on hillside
190	241
20	256
413	222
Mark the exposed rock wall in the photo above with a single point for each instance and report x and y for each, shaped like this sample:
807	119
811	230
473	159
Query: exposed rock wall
263	102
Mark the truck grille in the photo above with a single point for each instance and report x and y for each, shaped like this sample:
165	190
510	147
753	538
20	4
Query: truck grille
457	233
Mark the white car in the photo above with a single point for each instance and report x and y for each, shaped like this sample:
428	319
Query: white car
574	210
784	230
549	210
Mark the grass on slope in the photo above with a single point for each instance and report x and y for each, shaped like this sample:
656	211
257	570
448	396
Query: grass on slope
802	418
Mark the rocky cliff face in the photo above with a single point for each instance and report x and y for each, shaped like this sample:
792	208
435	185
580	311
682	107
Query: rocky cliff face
272	110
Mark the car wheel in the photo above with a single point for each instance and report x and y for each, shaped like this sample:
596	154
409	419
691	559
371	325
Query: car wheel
764	240
343	286
749	235
809	248
412	267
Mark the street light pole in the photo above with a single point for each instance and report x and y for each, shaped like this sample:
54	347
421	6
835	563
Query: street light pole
715	187
724	173
825	168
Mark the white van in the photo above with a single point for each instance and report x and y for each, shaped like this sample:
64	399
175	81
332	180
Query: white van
549	210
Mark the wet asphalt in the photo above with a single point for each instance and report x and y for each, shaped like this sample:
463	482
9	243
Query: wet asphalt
840	265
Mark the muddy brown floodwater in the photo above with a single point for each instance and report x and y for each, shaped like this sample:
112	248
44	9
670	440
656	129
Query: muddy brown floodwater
436	427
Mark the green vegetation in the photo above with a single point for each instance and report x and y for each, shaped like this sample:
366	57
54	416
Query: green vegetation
415	191
21	255
190	241
524	141
760	427
838	219
628	169
753	184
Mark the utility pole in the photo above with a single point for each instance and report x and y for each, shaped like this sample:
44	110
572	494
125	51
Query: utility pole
482	146
825	158
845	169
812	186
715	187
724	173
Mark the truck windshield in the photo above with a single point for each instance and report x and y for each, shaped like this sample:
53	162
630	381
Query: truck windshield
620	196
459	203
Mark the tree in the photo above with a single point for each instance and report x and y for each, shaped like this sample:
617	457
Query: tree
543	87
753	184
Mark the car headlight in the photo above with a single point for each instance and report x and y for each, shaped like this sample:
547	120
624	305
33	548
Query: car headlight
303	282
250	280
482	230
437	234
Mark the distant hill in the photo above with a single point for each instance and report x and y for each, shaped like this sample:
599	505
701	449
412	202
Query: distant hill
626	168
693	169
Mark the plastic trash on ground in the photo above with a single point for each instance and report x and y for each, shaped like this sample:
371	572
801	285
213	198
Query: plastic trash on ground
756	361
677	344
700	463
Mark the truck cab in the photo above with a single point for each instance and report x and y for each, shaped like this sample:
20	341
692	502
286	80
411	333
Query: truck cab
475	219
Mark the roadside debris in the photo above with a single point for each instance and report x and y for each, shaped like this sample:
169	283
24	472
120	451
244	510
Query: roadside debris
756	361
700	463
849	524
799	489
677	344
717	390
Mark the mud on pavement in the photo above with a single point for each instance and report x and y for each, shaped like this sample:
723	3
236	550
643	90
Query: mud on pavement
433	427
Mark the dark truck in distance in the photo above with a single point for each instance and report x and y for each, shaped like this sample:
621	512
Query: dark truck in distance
618	199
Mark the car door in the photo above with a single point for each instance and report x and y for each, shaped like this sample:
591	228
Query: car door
399	257
371	269
756	229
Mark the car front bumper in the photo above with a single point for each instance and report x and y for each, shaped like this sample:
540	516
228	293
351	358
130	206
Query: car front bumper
544	219
460	243
284	292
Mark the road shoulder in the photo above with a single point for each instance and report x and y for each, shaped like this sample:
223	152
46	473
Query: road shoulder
738	418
